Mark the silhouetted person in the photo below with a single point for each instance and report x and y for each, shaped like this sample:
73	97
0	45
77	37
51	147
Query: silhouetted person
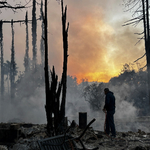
110	108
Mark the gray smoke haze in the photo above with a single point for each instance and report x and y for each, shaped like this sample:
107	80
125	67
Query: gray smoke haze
30	108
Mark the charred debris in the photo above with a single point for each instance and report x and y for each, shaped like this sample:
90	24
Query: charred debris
23	136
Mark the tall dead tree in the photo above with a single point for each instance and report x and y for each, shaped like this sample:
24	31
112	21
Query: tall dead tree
147	39
26	57
42	42
53	90
65	47
2	59
12	65
34	35
48	106
142	14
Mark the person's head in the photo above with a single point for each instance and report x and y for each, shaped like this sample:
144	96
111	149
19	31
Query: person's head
106	90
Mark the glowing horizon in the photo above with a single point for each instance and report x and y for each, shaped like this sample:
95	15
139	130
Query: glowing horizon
98	45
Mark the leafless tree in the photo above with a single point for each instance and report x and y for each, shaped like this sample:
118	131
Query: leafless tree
5	4
141	14
54	89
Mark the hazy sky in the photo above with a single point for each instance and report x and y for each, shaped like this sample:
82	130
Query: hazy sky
98	43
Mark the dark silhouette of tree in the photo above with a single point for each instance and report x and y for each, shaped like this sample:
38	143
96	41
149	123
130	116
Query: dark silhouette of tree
34	35
48	106
13	68
42	41
53	105
65	47
2	59
5	4
142	14
7	66
26	58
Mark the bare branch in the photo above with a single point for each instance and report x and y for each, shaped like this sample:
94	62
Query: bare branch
3	3
139	58
137	18
133	23
7	5
134	5
137	10
139	41
12	7
19	21
139	33
143	67
27	3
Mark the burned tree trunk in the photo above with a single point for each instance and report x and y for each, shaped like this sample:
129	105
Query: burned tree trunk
12	65
26	58
55	98
147	39
144	4
64	74
2	59
34	35
42	42
54	90
42	35
48	106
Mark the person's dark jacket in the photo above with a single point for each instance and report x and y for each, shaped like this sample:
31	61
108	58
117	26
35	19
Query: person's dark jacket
109	101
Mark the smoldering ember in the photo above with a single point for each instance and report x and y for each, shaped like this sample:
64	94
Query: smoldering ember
41	109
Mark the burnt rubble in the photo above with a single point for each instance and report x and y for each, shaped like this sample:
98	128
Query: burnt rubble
21	136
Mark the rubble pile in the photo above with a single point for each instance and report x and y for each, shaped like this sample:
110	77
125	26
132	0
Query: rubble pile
27	135
124	140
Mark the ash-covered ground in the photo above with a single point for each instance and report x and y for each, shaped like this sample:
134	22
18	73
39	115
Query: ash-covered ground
27	135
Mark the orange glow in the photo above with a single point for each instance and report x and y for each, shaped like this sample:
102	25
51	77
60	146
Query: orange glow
95	77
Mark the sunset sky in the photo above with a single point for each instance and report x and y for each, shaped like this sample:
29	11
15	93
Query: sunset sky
98	43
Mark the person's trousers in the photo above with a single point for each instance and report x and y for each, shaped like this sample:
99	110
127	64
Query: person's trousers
110	126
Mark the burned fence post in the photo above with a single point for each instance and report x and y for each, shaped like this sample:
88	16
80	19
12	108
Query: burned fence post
82	120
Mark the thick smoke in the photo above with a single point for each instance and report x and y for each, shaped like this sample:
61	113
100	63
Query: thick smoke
129	89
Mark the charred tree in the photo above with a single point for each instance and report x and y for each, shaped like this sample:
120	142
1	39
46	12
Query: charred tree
12	65
54	89
34	35
55	100
13	68
143	10
26	57
42	42
48	106
2	59
7	66
4	4
64	74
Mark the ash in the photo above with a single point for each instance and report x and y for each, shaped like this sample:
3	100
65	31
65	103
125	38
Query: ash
24	136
